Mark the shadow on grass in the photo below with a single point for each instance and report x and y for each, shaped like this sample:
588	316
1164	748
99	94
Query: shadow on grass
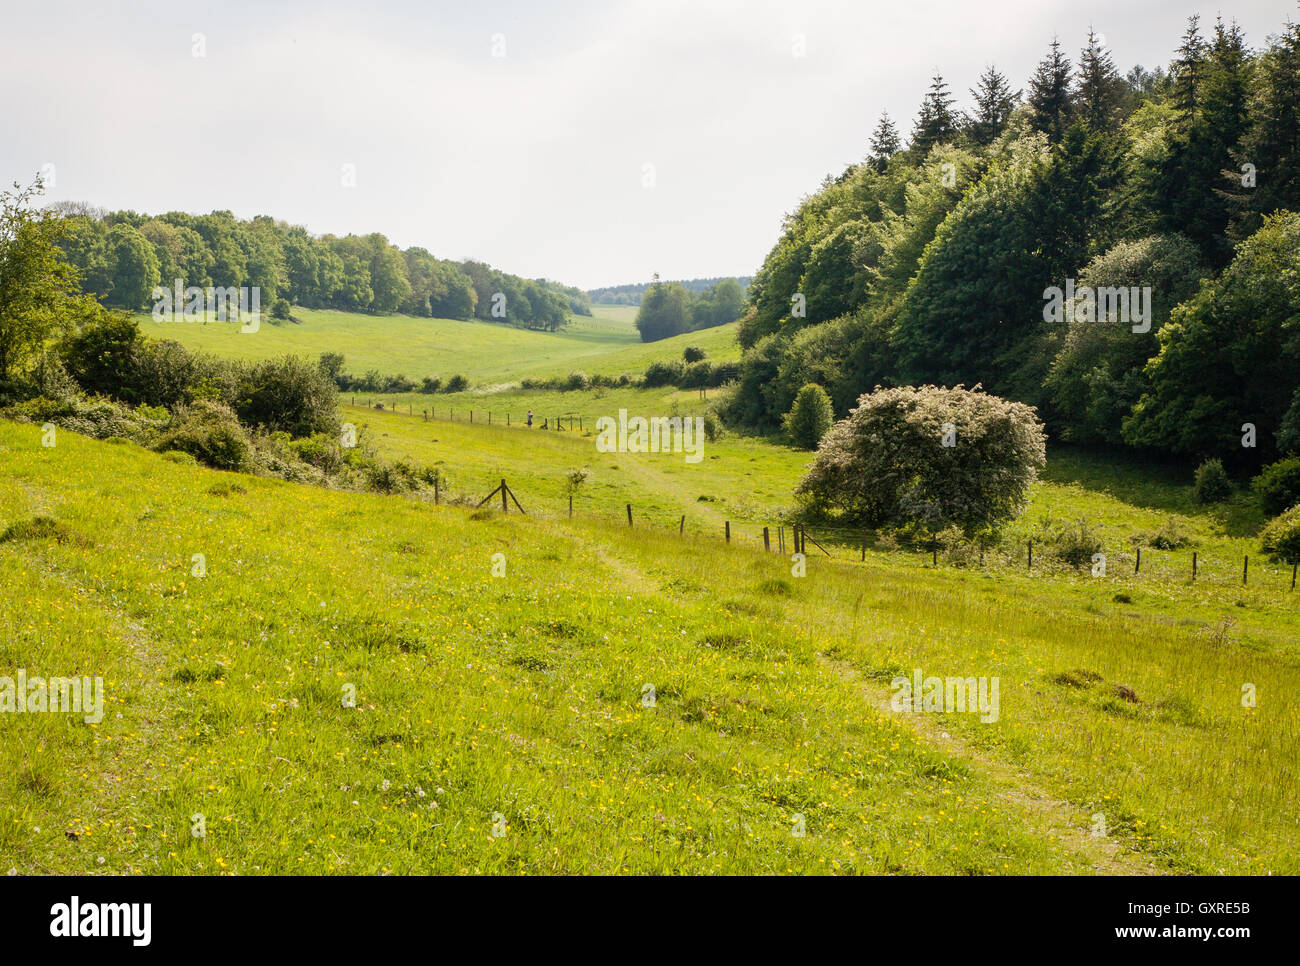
1150	483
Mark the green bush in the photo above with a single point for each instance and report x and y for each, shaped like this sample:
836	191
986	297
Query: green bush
457	383
288	394
1278	486
693	353
886	464
663	373
810	417
211	433
1211	483
1280	538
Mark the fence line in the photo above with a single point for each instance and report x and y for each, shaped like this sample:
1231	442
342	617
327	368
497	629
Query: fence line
857	541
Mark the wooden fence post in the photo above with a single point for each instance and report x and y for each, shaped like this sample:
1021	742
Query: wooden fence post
1031	553
767	543
1293	570
681	529
1245	567
1137	567
504	508
629	514
727	524
1193	565
570	506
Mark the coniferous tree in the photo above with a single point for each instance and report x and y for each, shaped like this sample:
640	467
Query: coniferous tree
1049	93
937	123
1099	94
1188	70
884	142
1272	143
994	101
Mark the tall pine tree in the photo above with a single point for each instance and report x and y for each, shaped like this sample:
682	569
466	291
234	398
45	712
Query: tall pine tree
1049	93
937	123
1273	143
1100	93
884	142
994	101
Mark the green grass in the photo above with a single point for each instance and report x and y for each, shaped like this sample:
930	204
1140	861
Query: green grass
518	700
486	353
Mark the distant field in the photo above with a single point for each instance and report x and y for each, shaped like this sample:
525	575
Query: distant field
606	343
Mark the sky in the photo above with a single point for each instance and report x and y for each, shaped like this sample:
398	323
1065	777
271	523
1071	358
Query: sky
591	142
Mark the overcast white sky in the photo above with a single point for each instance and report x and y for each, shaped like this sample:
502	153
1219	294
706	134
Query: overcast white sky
534	161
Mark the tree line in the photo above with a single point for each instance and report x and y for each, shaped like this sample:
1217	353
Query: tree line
669	308
122	255
631	294
1119	251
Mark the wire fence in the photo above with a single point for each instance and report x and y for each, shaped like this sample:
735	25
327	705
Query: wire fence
1028	554
466	414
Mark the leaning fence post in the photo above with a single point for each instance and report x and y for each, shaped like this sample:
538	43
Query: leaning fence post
681	529
1137	567
1031	553
1293	569
629	514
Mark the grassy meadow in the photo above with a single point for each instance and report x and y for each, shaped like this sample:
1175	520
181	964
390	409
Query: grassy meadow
358	683
486	353
503	723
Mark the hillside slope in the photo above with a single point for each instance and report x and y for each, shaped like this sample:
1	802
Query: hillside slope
504	723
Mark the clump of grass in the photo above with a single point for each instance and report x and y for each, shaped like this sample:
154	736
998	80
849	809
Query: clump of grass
189	674
1077	678
42	528
483	513
1124	692
1168	536
226	489
775	587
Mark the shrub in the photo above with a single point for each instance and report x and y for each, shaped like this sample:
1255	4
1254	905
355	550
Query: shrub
288	394
96	418
1278	486
693	353
457	383
885	465
577	380
810	417
1211	483
663	373
1280	538
281	311
697	375
1170	536
101	355
211	433
430	384
1074	546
